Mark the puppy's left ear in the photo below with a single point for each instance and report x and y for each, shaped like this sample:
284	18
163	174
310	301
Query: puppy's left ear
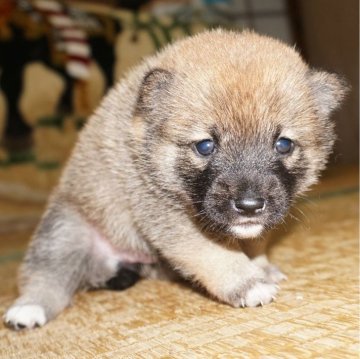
153	89
328	90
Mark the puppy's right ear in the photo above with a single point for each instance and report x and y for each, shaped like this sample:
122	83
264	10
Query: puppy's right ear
328	90
153	90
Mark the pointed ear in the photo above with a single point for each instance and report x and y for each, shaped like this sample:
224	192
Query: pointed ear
153	89
328	90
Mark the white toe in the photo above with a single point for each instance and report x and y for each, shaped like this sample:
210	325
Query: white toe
25	316
260	294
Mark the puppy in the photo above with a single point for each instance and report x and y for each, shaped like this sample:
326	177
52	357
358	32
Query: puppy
199	150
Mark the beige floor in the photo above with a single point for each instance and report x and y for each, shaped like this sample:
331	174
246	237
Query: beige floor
316	314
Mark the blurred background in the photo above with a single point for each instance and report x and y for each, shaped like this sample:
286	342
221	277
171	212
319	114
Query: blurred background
58	58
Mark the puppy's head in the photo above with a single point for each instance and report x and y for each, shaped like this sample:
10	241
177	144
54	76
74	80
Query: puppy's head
234	126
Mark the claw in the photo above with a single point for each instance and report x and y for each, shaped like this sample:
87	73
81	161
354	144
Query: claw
242	301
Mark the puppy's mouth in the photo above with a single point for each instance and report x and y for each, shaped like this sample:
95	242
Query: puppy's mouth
246	229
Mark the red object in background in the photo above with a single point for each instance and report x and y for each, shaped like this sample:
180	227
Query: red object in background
6	7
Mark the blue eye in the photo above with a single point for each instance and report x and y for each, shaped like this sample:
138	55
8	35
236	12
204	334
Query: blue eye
205	147
284	146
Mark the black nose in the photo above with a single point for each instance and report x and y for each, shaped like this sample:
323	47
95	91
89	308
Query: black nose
249	205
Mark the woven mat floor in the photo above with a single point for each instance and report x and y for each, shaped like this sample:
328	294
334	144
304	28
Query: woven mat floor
316	314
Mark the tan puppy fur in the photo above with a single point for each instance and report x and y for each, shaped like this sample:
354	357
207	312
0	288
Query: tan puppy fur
199	149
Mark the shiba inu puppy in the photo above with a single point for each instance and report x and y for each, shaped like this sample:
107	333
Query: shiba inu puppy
199	150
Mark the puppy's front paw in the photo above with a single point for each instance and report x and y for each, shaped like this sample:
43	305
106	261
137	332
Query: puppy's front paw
255	293
274	274
25	316
260	294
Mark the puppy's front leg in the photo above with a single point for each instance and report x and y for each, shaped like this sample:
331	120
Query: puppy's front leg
255	249
227	274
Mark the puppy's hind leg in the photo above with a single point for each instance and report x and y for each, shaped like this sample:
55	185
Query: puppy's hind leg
55	266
